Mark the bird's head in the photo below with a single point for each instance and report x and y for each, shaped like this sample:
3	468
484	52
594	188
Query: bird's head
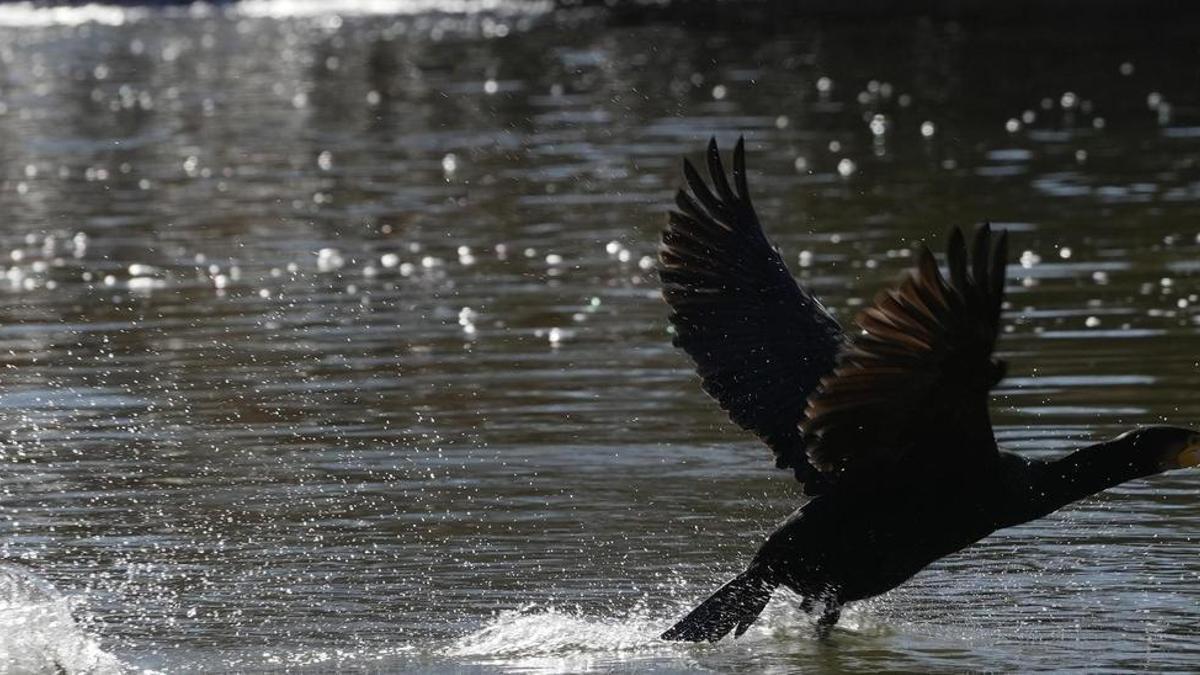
1166	448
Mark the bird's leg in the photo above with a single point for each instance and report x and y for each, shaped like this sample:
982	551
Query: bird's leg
829	617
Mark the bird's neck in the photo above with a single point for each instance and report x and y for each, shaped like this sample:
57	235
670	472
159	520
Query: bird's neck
1085	472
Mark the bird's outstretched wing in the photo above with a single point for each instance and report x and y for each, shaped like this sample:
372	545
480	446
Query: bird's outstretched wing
913	384
760	342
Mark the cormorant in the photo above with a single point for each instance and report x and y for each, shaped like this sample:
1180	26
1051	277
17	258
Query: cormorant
887	427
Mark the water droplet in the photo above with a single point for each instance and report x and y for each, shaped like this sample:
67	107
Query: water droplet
1164	113
329	259
878	125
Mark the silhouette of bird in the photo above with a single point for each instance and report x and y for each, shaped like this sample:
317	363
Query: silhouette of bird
886	426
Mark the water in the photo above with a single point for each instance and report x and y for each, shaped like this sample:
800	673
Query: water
329	338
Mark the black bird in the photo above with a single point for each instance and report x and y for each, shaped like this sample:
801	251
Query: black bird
887	427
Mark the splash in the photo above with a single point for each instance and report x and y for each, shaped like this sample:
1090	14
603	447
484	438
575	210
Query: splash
533	631
38	633
553	639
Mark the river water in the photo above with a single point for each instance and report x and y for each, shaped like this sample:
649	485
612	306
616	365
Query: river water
330	337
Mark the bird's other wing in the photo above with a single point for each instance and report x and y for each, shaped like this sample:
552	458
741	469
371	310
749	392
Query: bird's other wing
915	379
760	342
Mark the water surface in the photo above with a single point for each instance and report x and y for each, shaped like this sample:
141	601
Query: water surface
331	339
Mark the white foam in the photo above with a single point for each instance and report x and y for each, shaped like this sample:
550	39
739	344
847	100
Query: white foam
38	633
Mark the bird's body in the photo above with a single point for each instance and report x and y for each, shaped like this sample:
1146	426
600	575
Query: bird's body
888	428
844	545
851	545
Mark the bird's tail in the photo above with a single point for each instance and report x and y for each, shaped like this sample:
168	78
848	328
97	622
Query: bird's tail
734	606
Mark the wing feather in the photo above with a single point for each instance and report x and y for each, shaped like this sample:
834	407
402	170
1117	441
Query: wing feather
760	341
915	382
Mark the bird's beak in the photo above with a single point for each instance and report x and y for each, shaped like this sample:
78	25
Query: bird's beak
1190	455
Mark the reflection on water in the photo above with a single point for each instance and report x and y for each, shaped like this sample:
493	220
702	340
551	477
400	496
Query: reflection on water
332	337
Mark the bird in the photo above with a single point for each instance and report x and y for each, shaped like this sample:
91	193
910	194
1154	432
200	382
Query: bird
886	425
